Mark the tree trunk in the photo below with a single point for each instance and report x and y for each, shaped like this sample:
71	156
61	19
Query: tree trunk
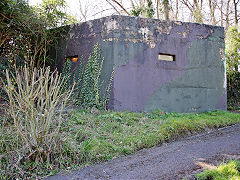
157	8
166	9
227	15
176	14
212	7
235	2
221	11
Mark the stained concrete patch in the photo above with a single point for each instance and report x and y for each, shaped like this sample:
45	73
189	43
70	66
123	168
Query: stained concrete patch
200	86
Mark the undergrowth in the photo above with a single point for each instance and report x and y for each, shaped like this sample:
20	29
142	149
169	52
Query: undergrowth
91	136
230	170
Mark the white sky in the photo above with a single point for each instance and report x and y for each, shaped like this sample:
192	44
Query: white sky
99	8
93	8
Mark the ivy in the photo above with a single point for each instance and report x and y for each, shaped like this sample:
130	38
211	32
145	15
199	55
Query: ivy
89	83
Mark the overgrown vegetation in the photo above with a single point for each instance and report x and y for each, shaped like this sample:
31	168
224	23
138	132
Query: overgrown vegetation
230	170
232	62
233	90
36	103
90	89
92	136
25	33
28	33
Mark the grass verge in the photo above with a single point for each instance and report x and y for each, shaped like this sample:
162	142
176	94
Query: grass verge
230	170
88	137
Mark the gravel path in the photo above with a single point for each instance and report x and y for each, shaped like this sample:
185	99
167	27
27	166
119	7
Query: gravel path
169	161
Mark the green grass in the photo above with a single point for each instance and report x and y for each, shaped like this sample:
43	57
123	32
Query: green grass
88	138
230	170
106	135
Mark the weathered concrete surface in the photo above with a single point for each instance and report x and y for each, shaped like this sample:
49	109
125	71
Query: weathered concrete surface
194	82
169	161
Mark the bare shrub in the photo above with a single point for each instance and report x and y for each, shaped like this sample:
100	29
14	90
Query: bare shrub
36	104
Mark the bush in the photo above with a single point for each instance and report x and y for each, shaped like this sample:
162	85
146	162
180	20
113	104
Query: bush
224	171
233	90
232	62
36	103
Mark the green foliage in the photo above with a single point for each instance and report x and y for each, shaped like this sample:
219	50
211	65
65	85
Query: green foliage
25	37
25	30
232	62
90	90
137	11
197	15
232	49
233	89
157	114
147	11
9	65
88	81
54	13
229	170
3	95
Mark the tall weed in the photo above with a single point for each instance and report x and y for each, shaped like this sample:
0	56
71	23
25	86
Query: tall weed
36	105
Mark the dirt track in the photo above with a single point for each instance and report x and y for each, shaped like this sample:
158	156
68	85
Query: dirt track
169	161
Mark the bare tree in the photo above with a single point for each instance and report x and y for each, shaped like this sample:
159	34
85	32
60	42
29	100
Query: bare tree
235	2
224	15
216	12
221	11
176	13
166	9
84	9
195	8
227	14
119	4
157	8
212	7
111	4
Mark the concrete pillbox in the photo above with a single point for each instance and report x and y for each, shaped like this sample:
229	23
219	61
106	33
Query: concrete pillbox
168	65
